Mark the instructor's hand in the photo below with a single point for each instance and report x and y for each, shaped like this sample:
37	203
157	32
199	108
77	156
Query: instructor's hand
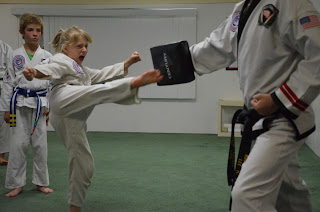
264	104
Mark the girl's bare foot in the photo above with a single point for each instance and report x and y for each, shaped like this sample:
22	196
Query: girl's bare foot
14	192
74	209
146	78
44	189
3	162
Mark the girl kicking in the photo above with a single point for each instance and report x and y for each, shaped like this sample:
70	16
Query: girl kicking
76	91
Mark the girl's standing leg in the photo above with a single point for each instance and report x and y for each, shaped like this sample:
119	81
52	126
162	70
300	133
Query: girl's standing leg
72	132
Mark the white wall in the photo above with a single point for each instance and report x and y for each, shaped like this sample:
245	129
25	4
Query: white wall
166	116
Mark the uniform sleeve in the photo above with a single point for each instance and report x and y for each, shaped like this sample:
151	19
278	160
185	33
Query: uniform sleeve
7	85
52	70
303	86
217	51
108	73
3	56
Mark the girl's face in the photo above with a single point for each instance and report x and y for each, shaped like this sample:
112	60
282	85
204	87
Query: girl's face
32	34
77	51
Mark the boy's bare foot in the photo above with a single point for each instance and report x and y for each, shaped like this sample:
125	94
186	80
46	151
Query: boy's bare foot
146	78
44	189
14	192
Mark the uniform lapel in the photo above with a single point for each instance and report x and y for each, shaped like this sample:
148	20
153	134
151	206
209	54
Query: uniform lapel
31	62
25	55
244	16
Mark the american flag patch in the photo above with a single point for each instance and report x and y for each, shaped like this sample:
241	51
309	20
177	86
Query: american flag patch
309	21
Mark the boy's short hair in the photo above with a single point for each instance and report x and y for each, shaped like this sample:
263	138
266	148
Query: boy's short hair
30	18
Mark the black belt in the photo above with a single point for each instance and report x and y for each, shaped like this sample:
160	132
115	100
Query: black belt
248	118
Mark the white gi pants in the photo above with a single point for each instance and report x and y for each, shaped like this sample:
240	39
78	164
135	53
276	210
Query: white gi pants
19	143
71	107
72	132
4	134
270	178
4	131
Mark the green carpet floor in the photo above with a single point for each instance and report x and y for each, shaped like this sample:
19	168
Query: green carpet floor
140	172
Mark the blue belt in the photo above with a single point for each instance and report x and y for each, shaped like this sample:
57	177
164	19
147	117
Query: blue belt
26	93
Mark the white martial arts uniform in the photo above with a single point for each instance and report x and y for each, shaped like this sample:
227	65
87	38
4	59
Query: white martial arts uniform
72	100
5	64
280	57
26	108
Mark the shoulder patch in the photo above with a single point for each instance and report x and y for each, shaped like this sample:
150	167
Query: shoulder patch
19	61
6	77
235	21
268	15
77	67
309	22
45	61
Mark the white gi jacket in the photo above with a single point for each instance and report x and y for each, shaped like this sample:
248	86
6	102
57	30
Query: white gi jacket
64	71
5	58
5	65
16	79
280	58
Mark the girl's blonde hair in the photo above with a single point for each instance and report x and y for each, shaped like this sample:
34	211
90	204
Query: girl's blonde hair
69	37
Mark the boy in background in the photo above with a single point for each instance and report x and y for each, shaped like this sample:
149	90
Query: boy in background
29	109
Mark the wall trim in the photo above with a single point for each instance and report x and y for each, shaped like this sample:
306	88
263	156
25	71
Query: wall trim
113	12
114	2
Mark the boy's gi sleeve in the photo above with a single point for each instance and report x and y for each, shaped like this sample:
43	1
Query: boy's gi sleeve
303	85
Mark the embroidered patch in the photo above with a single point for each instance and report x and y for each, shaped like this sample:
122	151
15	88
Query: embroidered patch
7	77
235	21
309	22
268	15
45	61
19	61
77	67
